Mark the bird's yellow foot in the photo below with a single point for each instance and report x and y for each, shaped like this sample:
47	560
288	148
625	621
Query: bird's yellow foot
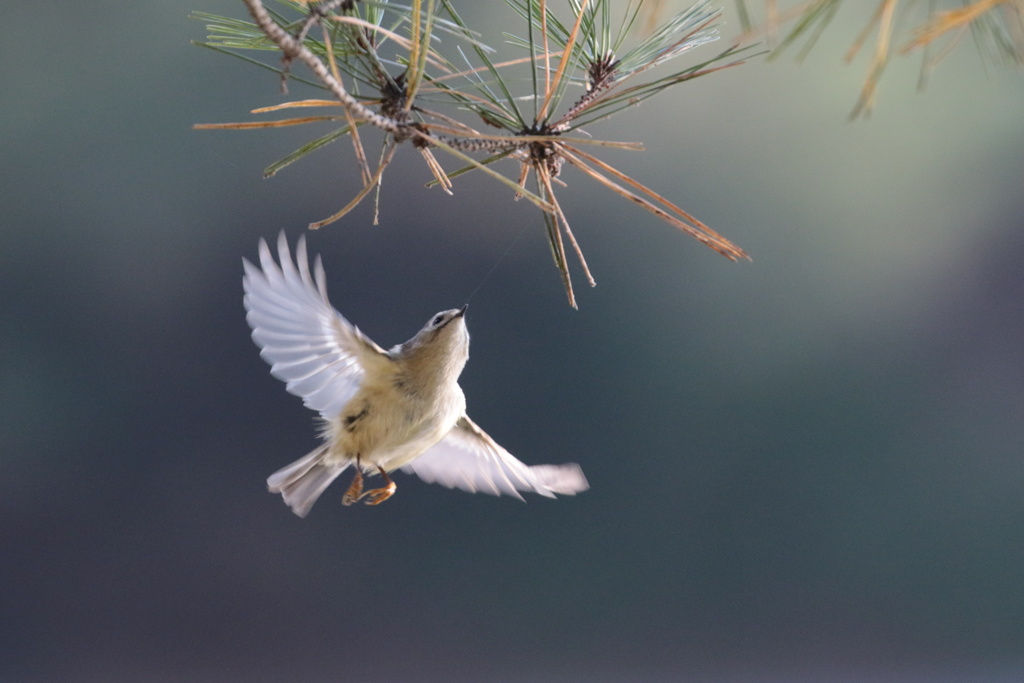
378	496
355	489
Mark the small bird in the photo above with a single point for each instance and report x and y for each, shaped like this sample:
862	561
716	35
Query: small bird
381	410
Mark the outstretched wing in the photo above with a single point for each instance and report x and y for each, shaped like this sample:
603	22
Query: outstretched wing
469	459
321	356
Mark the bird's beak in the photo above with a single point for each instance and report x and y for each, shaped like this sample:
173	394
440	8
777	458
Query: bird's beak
462	311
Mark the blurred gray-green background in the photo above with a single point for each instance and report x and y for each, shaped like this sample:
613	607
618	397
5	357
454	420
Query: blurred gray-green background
805	468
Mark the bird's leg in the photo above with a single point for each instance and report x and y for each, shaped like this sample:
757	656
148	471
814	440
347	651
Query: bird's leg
355	489
378	496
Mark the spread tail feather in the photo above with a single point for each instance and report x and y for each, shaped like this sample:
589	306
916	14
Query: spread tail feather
302	482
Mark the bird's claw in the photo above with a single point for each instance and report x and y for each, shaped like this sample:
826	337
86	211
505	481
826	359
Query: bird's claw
378	496
355	491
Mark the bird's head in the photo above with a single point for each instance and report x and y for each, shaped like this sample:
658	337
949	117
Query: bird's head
442	344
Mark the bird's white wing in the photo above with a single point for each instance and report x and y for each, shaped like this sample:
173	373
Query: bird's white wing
469	459
321	356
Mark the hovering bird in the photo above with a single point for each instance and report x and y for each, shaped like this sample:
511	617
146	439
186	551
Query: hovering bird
381	410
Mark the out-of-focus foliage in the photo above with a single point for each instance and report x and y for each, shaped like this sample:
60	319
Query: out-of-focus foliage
932	29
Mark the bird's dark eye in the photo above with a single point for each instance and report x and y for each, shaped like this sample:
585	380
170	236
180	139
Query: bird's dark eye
437	320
